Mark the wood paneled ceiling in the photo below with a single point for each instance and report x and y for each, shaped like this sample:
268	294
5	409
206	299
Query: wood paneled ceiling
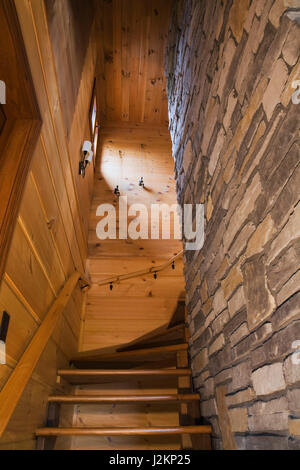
131	82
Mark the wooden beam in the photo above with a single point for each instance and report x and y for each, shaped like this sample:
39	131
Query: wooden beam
14	387
174	430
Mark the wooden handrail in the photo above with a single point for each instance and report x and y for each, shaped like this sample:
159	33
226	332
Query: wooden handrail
14	387
143	272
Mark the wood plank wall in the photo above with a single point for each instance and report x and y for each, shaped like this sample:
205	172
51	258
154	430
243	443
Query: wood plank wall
50	239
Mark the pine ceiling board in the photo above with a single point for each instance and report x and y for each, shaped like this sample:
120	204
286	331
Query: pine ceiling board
111	266
118	39
108	58
135	35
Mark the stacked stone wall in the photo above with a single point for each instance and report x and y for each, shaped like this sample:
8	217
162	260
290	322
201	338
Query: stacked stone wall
231	67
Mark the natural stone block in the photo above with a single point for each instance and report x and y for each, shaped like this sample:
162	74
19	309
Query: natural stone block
219	301
261	236
224	420
268	379
278	347
208	408
208	388
200	361
237	17
215	155
232	100
237	302
243	210
241	375
238	419
219	322
260	303
265	442
217	345
291	47
210	319
287	93
239	334
263	332
277	11
221	360
272	422
232	281
241	241
269	407
277	82
235	323
291	371
294	427
239	398
287	312
242	349
289	289
225	376
188	156
284	266
294	400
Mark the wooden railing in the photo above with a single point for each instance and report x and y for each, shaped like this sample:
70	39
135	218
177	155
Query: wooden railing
142	272
14	387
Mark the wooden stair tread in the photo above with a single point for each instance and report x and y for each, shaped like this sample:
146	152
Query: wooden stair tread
97	356
80	376
121	431
86	399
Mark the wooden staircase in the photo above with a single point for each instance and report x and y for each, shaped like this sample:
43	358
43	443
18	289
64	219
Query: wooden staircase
130	378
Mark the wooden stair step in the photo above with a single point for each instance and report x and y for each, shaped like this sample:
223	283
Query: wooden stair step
85	376
163	430
136	355
91	399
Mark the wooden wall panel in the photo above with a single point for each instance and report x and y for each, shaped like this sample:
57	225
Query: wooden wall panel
70	23
50	239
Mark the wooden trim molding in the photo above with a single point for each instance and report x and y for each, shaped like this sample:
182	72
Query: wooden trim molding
20	129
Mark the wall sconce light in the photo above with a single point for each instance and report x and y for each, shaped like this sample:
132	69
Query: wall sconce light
141	182
87	157
117	191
